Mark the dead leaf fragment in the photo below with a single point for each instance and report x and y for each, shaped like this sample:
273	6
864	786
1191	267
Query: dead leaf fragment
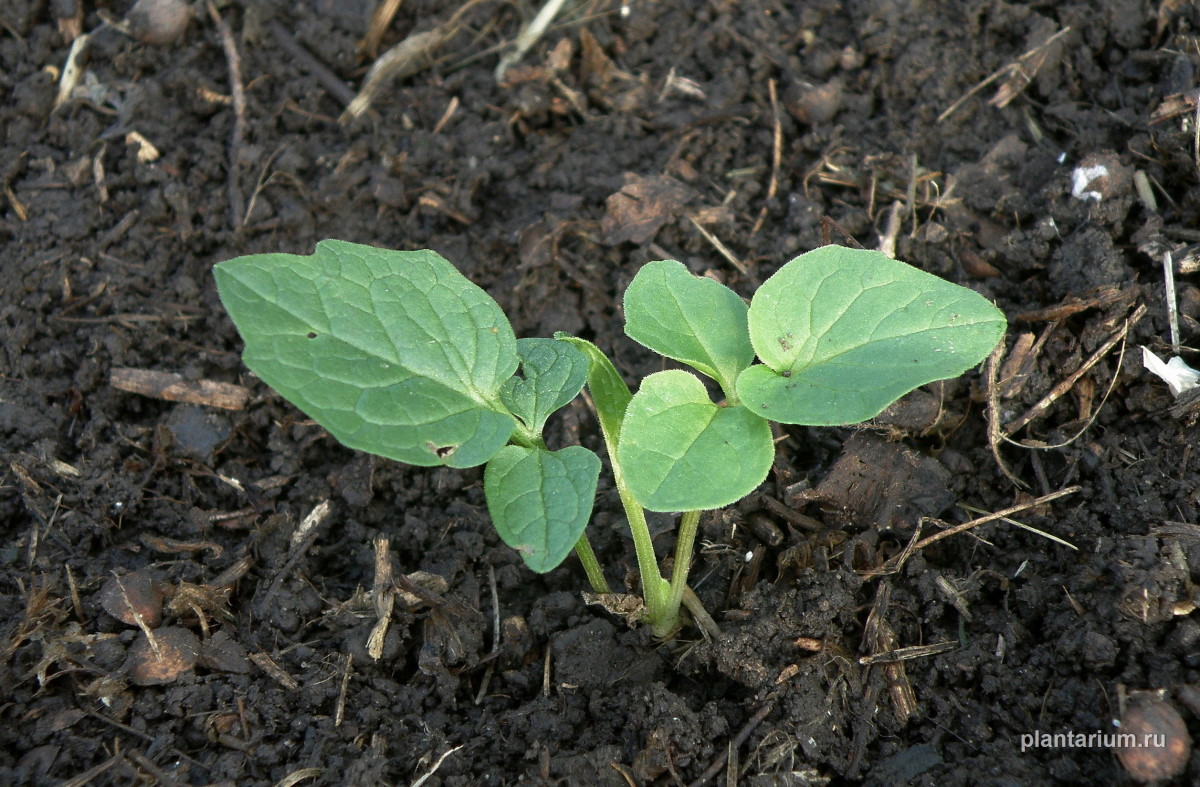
596	66
1174	105
883	484
643	205
625	605
422	580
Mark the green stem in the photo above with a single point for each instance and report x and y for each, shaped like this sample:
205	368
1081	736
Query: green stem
526	437
591	566
610	397
655	589
688	525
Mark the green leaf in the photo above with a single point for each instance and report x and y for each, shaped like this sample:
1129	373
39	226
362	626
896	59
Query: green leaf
609	392
694	320
554	374
843	333
394	352
681	452
540	501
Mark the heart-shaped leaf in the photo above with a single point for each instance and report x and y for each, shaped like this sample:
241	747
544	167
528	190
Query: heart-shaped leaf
394	352
694	320
843	333
681	452
540	500
554	374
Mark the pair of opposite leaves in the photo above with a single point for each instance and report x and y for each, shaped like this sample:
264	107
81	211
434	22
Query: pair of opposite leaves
398	354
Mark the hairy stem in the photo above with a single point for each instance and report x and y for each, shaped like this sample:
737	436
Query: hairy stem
526	437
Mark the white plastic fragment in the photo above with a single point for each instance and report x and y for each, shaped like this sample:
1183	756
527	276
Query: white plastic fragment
1178	376
1082	177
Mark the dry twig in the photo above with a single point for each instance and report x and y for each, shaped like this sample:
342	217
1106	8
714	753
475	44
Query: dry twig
528	36
736	743
384	594
721	248
72	71
415	53
268	665
1066	385
1172	300
1004	514
1019	75
881	639
339	711
381	19
776	157
238	131
329	80
995	436
424	778
704	621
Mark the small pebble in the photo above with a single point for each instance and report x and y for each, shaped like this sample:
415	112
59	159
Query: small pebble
158	22
1160	745
814	105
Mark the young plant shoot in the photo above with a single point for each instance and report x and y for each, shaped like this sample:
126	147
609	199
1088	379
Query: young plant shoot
398	354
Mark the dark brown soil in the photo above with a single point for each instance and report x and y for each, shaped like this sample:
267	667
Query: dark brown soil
208	512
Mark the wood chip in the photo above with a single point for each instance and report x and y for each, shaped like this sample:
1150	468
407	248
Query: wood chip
1098	297
881	640
268	665
384	594
174	388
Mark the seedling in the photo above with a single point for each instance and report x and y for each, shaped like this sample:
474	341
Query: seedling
398	354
